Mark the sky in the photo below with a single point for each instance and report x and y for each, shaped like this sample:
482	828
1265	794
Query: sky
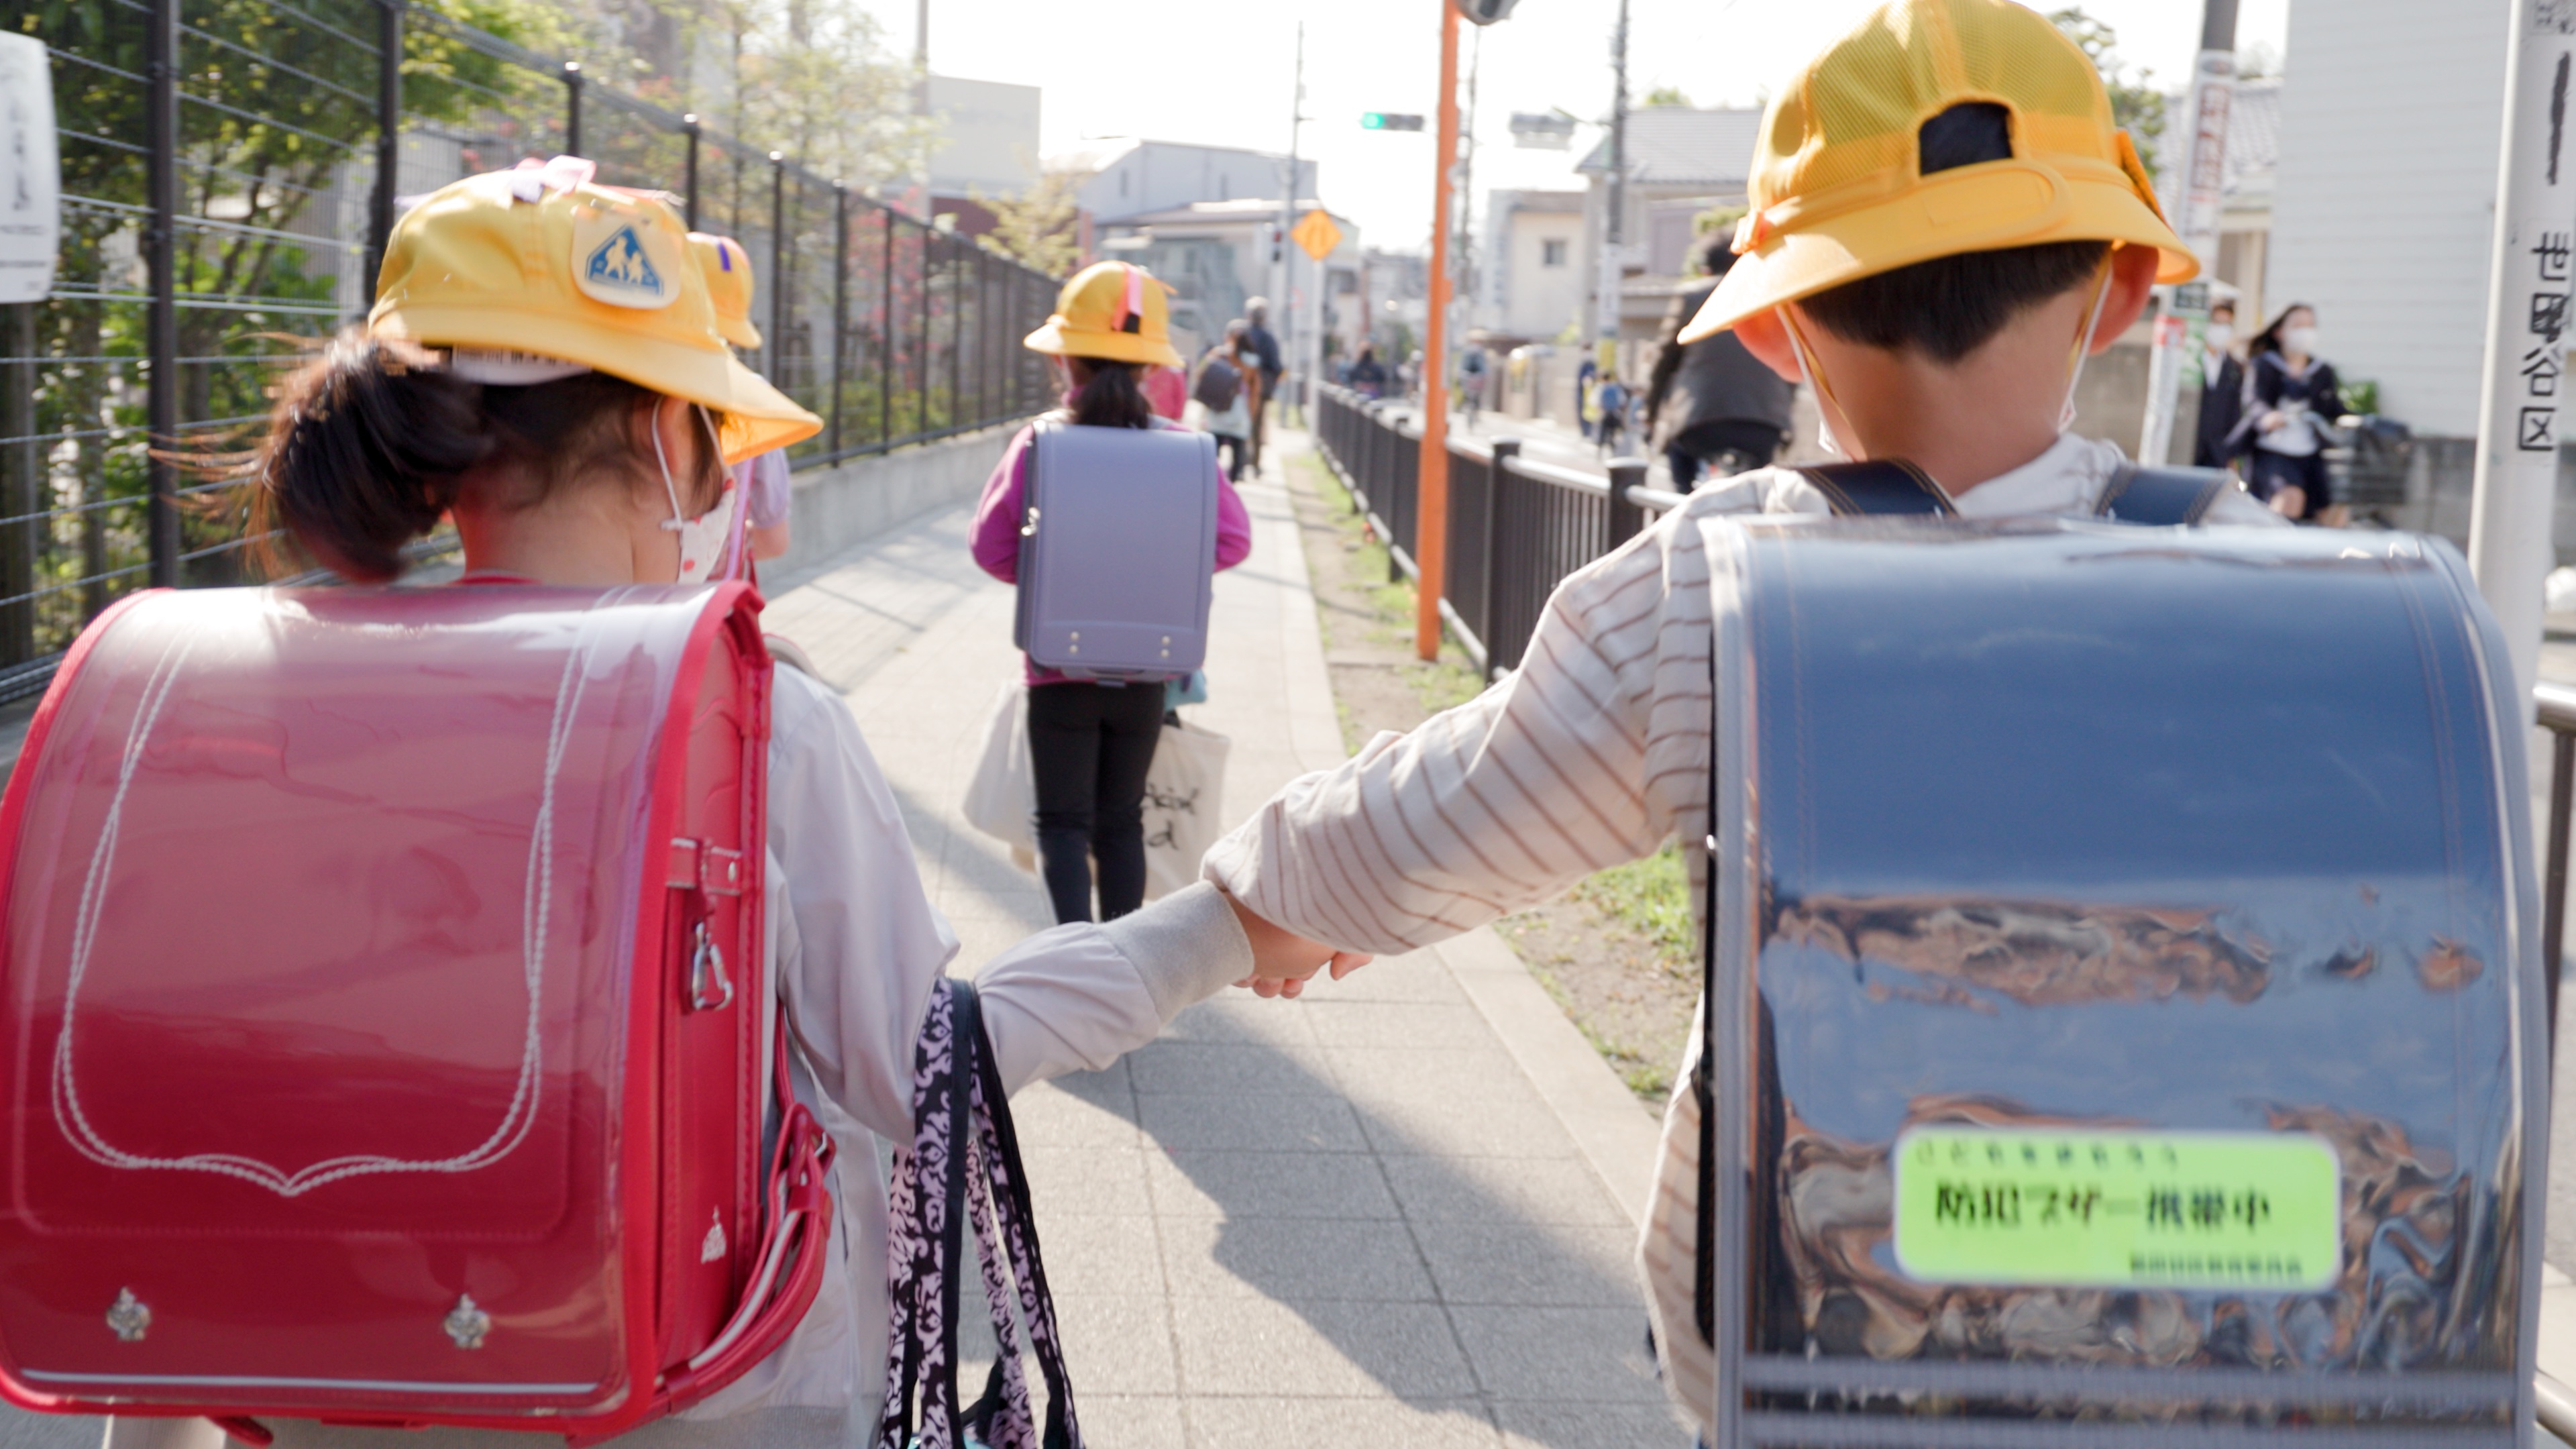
1221	74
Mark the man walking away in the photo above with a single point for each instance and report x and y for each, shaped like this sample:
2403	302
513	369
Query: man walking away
1612	400
2222	388
1265	348
1471	381
1710	405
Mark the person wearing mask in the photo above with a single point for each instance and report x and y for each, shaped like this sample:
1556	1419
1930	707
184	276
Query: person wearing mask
1228	392
2291	396
1958	353
1711	406
582	443
2222	388
1368	375
1091	742
1264	348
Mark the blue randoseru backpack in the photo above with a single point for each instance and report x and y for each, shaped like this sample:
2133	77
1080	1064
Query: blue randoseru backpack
1117	551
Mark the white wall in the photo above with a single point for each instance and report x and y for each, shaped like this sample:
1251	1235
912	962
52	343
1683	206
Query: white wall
2390	116
988	136
1159	175
1540	300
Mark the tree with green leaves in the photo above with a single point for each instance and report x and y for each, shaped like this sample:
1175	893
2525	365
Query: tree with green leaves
2137	106
1665	96
1042	226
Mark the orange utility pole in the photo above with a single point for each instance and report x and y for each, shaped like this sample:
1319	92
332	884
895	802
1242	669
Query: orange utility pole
1431	488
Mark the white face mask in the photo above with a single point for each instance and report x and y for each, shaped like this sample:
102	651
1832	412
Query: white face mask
703	539
1808	373
2219	335
2301	340
2084	345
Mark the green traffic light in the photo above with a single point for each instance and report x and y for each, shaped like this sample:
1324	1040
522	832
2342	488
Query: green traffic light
1373	120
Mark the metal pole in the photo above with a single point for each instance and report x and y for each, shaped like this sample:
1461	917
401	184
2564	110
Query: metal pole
689	123
885	335
840	303
389	54
1614	223
774	356
1431	479
162	328
1284	291
572	107
2553	900
19	491
2528	284
2204	189
956	335
921	358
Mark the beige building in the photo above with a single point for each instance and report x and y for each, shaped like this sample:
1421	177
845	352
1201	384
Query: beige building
1530	277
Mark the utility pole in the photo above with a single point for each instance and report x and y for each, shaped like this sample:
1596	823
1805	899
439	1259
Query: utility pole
1431	479
1466	279
1605	318
921	96
1284	293
2201	195
2528	284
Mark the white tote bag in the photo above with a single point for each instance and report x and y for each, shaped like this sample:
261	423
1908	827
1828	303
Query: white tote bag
1184	805
1002	798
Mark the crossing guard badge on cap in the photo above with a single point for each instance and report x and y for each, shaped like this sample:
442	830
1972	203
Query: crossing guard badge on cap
622	259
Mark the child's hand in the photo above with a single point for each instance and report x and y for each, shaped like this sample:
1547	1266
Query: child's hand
1282	960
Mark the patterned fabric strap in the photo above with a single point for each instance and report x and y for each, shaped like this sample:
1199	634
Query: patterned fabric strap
964	1167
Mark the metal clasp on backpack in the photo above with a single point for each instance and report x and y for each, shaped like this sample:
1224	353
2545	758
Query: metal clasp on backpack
1029	529
709	988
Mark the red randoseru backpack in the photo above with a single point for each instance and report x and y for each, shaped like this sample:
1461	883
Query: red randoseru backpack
387	1019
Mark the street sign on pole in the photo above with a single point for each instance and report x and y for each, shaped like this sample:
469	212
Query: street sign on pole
31	198
1542	130
2202	184
2529	281
1317	234
1389	121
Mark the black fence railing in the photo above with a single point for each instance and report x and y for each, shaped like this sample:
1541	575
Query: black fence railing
1516	528
229	171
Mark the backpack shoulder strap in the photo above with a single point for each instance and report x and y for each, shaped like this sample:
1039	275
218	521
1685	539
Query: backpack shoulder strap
1880	486
2160	497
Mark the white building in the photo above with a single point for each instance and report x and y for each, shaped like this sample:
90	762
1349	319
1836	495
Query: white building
1530	264
1131	177
988	137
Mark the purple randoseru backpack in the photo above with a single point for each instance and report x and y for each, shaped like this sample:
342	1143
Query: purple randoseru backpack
1118	551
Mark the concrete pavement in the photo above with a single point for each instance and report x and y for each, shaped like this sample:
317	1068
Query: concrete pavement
1399	1211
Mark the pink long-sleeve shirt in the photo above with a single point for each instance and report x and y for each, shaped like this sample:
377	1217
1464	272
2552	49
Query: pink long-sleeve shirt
996	539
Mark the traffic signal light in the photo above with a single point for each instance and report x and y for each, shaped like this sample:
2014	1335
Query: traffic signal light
1484	12
1389	121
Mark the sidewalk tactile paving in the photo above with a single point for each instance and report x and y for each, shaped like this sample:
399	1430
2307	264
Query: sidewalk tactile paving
1351	1218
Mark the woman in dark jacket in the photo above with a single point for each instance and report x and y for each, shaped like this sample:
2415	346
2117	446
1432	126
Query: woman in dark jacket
2291	397
1710	405
2222	389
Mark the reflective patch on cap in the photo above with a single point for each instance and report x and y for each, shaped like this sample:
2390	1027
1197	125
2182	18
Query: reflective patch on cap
624	260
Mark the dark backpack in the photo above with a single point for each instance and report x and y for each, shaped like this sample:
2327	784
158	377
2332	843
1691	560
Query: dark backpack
1220	383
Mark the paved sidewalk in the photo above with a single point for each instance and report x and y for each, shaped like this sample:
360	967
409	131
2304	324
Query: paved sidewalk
1399	1211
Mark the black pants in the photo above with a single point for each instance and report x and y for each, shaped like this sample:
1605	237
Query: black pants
1089	747
1236	451
2305	472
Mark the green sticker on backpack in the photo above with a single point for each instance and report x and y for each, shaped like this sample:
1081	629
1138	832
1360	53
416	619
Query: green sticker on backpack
2097	1209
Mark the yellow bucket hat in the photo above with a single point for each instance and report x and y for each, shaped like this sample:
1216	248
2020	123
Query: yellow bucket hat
1110	310
519	267
1838	191
727	268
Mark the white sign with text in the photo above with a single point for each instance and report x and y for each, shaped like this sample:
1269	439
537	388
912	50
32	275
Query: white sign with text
31	191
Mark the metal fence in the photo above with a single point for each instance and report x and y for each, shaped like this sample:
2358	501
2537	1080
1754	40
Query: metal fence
230	169
1516	528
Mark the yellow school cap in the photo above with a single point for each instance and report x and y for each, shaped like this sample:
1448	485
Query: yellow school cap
1838	192
727	268
541	263
1110	310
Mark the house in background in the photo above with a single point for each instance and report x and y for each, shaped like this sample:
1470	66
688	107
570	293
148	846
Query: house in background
1530	276
1218	254
1131	177
1681	161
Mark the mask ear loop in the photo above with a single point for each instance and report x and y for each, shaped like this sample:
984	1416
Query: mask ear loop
1813	375
675	522
734	534
2084	344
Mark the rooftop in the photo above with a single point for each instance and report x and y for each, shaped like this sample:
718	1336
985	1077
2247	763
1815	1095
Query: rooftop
1685	146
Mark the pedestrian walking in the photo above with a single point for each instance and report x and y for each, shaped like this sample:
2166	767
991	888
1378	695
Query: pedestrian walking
1228	393
2222	389
581	443
1711	406
2292	399
1585	416
1091	742
1598	748
1265	352
1473	374
1368	375
1610	405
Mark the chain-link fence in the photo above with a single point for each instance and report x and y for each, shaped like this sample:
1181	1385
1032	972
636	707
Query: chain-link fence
229	170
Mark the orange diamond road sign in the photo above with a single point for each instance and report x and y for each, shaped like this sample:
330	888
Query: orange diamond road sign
1317	234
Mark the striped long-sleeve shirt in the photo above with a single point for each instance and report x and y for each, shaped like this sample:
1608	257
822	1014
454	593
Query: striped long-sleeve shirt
1594	752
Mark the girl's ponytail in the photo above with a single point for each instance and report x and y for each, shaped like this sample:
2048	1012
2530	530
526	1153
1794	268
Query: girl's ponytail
1109	395
366	445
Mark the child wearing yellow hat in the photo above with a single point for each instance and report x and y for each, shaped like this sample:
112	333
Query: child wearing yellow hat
543	365
761	481
1945	223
